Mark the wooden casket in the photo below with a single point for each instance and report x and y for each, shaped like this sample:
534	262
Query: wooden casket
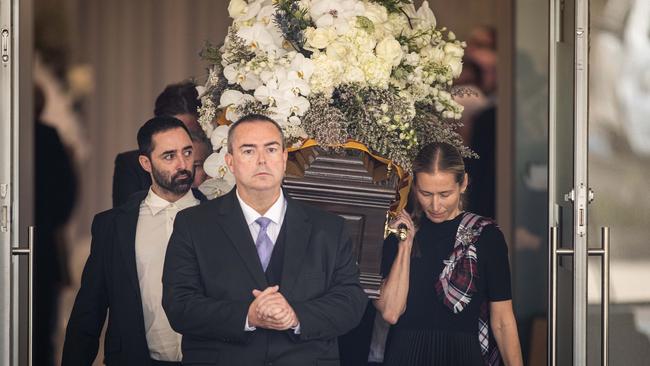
354	185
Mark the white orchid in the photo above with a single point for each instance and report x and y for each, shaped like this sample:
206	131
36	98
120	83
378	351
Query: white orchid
219	137
240	10
423	17
290	104
266	14
301	67
295	84
247	79
217	187
230	100
215	164
269	94
336	13
243	11
262	37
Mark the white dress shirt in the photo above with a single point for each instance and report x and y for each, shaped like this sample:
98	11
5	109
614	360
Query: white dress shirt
276	214
155	224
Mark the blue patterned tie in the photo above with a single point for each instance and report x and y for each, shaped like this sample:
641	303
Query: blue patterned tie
264	244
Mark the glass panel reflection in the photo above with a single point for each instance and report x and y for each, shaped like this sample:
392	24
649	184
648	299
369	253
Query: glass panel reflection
619	172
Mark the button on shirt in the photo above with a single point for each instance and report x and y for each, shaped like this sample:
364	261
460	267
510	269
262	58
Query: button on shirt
155	224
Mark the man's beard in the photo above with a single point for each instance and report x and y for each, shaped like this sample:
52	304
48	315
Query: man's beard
174	184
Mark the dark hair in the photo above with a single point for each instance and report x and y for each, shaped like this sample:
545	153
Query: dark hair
432	158
154	126
181	98
250	118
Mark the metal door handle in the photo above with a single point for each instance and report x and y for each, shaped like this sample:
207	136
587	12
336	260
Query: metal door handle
29	252
554	254
603	253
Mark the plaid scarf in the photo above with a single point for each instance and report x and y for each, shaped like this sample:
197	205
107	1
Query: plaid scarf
457	282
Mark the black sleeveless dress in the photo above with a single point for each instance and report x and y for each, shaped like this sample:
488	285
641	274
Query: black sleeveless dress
429	333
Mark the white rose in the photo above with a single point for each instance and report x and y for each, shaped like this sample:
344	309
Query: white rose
319	38
389	50
433	54
456	65
454	50
376	13
237	8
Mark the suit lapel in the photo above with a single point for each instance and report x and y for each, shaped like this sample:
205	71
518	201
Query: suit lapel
298	231
126	224
234	225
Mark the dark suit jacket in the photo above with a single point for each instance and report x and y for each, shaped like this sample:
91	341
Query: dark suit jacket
212	266
128	177
110	281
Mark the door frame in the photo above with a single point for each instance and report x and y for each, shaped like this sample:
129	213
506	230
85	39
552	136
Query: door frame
580	194
16	180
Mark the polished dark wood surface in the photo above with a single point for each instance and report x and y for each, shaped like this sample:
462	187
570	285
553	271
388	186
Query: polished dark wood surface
352	184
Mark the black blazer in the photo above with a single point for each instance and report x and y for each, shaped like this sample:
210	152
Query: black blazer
110	281
128	177
212	266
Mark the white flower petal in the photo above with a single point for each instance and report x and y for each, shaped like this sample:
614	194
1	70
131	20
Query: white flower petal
230	97
219	137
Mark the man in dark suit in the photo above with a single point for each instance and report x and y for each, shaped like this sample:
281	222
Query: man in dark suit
177	100
254	277
122	274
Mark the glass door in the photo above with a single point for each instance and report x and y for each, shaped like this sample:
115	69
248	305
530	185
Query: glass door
569	189
561	181
619	172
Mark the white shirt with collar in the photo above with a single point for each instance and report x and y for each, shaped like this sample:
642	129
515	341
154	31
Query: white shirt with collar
276	214
155	224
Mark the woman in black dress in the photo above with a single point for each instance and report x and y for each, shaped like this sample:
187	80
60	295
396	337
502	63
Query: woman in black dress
446	288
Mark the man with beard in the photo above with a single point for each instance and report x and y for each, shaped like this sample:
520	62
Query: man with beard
124	269
179	101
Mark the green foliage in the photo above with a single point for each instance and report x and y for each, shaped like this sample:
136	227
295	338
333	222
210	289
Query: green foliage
210	53
292	21
393	6
365	24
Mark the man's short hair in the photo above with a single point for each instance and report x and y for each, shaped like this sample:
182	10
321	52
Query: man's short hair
250	118
181	98
154	126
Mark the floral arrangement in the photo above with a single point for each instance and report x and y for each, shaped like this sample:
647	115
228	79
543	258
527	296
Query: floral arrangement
376	71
